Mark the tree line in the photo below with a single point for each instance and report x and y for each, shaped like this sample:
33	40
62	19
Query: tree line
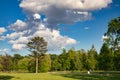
72	60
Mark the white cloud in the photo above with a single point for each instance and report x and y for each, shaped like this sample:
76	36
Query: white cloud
18	26
2	30
14	35
63	11
18	46
56	12
54	39
20	40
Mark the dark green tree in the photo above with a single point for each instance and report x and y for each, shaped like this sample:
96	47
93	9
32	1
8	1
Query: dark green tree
117	60
38	47
105	58
55	65
84	59
113	40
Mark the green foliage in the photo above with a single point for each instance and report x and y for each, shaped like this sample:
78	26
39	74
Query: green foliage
78	62
15	60
113	40
106	58
114	33
62	60
31	65
55	65
44	63
117	60
84	60
92	61
23	64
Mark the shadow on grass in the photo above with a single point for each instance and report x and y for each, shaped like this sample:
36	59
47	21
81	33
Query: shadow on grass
93	76
5	77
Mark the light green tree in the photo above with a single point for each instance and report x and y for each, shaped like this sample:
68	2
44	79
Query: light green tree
23	64
92	54
44	63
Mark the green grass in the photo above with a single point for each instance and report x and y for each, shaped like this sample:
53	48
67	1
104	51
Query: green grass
61	76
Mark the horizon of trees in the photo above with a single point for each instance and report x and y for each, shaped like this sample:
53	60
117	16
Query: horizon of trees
71	60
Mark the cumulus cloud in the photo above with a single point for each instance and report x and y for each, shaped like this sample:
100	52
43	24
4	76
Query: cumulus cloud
63	11
54	39
56	12
16	47
14	35
2	30
18	26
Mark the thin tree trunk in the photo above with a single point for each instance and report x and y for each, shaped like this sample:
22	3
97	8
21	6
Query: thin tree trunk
36	64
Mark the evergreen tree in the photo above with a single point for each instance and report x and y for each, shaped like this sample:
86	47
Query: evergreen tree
92	61
38	47
78	61
84	59
63	59
105	58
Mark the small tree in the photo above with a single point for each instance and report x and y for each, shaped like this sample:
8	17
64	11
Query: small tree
38	46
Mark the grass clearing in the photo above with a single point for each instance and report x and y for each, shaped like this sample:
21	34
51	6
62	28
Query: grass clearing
61	76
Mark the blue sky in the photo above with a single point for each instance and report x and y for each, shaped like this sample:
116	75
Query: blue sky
84	26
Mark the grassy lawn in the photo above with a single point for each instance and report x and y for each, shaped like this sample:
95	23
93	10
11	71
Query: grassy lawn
61	76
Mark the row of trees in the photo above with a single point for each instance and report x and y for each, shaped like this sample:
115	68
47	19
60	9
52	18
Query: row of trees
38	61
18	63
66	61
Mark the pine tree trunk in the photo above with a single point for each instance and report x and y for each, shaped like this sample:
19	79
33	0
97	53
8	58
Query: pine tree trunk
36	64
